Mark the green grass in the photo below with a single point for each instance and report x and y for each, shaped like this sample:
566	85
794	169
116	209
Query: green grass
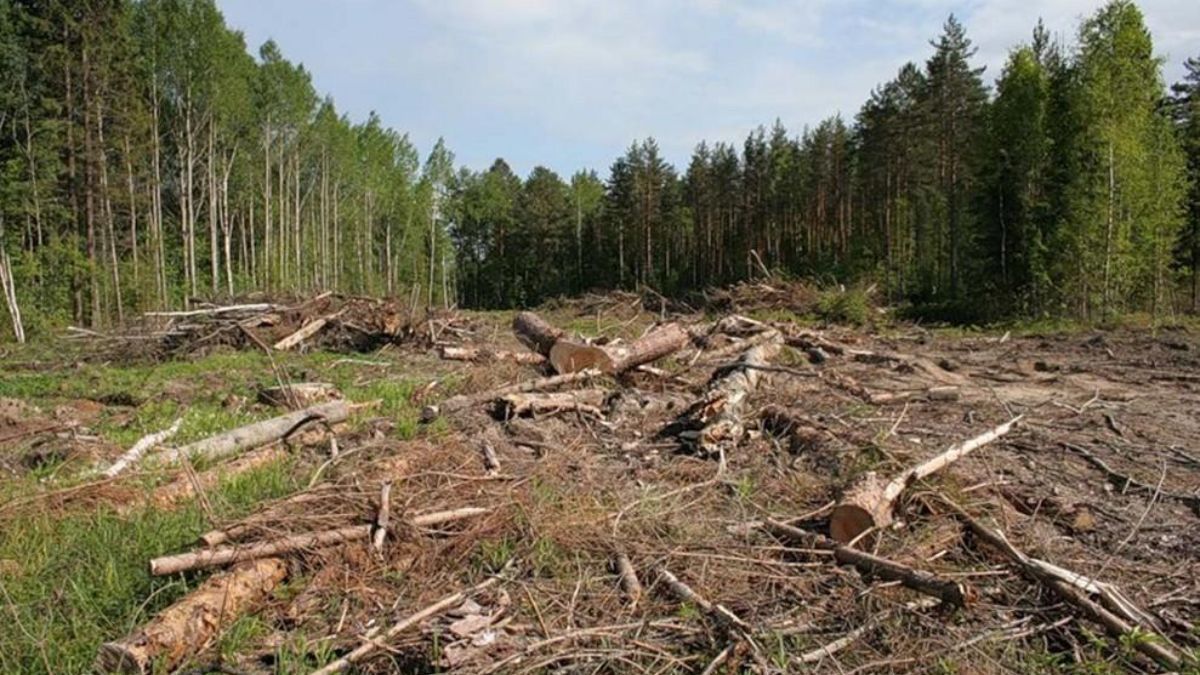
74	577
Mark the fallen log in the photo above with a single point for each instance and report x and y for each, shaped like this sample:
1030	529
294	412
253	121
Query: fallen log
659	343
463	401
190	624
259	433
372	644
476	355
1119	616
225	555
298	395
716	420
586	401
534	332
869	503
144	445
952	593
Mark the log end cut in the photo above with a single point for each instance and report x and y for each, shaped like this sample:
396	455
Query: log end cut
862	507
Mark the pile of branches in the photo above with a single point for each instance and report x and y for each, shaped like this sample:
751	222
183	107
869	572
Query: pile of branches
334	322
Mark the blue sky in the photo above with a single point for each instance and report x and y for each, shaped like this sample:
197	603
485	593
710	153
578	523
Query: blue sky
570	83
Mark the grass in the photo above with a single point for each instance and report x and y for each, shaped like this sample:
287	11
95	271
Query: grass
72	578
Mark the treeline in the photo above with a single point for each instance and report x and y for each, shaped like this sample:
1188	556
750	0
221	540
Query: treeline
147	158
1063	193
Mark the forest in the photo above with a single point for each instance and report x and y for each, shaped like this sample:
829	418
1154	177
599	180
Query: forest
148	158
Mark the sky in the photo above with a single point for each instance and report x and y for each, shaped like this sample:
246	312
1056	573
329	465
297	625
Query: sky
569	84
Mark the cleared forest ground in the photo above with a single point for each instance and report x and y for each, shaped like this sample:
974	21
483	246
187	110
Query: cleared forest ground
613	528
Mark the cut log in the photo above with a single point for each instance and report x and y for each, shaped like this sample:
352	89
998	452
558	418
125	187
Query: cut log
659	343
1119	616
298	395
226	555
571	357
462	402
587	401
475	355
189	625
870	503
305	332
716	420
260	433
146	444
630	584
950	592
535	333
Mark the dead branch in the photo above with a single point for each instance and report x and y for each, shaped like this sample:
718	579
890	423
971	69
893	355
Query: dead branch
190	624
586	401
475	355
381	520
217	557
952	593
260	433
870	502
1074	589
144	445
629	579
719	613
462	402
821	653
371	645
1125	483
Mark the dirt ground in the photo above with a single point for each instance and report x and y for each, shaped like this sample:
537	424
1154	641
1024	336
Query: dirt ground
1101	476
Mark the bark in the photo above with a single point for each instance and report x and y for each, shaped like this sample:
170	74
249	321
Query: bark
586	401
225	555
144	445
485	355
189	625
533	332
869	503
716	420
663	341
260	433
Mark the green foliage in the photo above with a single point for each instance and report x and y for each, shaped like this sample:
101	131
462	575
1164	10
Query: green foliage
849	306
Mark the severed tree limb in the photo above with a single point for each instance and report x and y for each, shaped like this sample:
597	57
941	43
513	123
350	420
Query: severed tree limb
586	401
216	557
629	579
371	645
144	445
534	332
1126	483
870	503
1119	616
260	433
462	402
187	626
718	612
950	592
381	520
663	341
484	355
305	332
716	420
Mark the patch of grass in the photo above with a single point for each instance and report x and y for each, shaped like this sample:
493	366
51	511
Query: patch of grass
80	579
